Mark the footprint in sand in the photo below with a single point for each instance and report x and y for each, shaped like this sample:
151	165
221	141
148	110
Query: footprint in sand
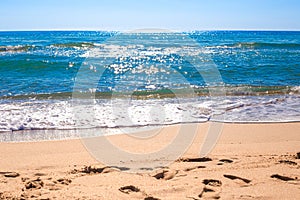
151	198
131	188
128	189
232	177
283	178
40	174
212	182
34	184
226	161
166	174
92	169
11	174
222	161
287	162
63	181
209	193
203	159
146	168
193	168
97	169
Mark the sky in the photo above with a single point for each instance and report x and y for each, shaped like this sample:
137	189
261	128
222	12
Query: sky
184	15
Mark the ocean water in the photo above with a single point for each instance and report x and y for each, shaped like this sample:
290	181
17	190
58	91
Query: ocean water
58	80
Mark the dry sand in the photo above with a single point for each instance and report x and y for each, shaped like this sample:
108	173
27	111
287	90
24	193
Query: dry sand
249	161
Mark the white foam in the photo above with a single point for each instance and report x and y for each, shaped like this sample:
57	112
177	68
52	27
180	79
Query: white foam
114	113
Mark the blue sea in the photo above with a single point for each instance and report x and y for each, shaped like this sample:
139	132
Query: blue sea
58	80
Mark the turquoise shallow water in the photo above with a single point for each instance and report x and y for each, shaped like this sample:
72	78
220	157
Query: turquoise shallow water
196	76
47	62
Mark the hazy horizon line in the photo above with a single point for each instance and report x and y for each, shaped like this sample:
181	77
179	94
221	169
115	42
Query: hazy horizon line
128	30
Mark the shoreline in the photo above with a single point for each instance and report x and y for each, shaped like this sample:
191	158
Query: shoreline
254	152
78	132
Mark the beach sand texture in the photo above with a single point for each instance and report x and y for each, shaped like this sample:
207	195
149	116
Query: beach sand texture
249	161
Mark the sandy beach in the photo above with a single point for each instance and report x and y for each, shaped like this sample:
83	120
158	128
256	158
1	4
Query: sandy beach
249	161
149	100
